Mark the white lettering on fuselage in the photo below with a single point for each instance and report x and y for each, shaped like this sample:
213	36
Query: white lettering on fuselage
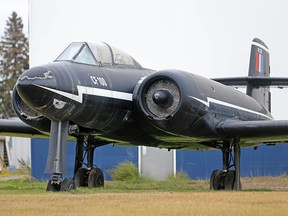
98	81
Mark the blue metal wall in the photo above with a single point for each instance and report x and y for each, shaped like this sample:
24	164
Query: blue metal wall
265	161
105	157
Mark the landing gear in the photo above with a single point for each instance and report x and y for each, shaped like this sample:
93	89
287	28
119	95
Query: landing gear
66	185
95	178
228	179
56	162
91	176
81	177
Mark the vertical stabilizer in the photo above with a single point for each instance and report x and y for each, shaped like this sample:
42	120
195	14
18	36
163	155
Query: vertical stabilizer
259	66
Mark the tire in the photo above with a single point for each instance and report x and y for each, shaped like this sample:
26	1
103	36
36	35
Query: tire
95	178
215	180
230	180
81	177
53	187
68	184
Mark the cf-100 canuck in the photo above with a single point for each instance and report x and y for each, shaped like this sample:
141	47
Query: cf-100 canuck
100	95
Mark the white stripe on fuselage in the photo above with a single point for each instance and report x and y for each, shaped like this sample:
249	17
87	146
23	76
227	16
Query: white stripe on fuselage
212	100
91	91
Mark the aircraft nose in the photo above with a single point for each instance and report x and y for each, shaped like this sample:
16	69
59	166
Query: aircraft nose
28	88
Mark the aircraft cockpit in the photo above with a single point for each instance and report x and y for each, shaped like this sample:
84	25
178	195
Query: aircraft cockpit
99	54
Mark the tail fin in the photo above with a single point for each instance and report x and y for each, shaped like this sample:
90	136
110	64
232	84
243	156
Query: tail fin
259	66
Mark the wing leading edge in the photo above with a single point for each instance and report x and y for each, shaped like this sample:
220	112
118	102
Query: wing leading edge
15	127
275	131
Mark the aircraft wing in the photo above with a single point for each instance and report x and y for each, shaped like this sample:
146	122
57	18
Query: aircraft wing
274	131
279	82
15	127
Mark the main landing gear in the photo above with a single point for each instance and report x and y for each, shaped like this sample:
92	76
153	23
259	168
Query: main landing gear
91	176
56	162
228	179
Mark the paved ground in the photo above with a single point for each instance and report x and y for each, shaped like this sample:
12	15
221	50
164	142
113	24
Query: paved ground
6	178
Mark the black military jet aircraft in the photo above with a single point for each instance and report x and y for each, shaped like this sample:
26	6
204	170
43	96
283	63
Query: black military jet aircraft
96	94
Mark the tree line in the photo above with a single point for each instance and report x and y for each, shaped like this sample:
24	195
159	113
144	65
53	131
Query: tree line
14	60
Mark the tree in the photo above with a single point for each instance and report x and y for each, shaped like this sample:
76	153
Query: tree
14	60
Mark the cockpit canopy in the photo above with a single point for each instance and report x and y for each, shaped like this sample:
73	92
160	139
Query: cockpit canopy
96	54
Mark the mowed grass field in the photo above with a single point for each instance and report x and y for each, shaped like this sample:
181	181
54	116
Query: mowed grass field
260	196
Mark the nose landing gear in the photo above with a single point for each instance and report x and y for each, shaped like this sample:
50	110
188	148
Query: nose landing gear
56	162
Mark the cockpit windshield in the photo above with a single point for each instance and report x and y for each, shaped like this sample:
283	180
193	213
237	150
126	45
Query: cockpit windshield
96	54
78	52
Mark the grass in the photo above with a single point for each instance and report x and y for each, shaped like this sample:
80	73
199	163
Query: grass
180	196
182	183
22	186
131	203
28	185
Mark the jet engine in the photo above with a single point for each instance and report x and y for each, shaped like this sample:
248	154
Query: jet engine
28	115
161	99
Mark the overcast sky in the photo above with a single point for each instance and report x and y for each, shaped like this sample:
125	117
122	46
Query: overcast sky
6	9
206	37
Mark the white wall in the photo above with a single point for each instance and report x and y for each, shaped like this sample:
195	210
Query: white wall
207	37
18	148
156	163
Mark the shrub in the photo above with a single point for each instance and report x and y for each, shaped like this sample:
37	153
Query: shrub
125	171
25	168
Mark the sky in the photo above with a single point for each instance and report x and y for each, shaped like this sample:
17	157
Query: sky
6	9
206	37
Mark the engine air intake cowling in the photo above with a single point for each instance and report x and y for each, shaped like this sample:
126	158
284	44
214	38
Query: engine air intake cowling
161	98
159	95
28	115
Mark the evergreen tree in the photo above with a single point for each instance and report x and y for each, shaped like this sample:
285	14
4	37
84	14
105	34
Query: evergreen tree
14	60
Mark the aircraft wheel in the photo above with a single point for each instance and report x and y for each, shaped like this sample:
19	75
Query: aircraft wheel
68	184
230	180
81	177
53	187
215	180
95	178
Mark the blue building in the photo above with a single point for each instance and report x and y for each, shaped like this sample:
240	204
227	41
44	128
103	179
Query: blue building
265	161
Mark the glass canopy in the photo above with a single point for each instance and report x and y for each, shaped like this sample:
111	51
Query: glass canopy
95	54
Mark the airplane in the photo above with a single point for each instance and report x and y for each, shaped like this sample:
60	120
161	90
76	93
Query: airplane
96	94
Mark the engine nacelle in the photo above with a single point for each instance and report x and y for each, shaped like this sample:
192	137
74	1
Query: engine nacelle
28	115
161	99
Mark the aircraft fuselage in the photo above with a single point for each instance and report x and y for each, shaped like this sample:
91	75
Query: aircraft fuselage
110	101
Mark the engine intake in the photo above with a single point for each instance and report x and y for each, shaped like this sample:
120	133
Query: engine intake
159	96
163	100
28	115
